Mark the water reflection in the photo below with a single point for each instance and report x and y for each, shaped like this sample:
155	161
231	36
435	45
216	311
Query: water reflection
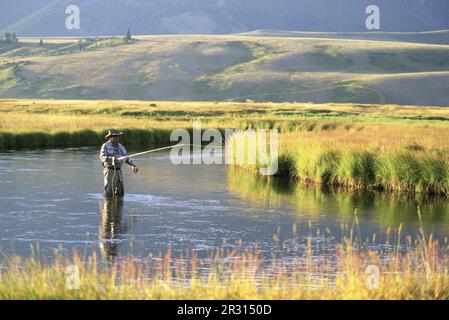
386	209
112	227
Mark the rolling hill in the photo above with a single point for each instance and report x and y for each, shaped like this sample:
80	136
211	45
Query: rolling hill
228	68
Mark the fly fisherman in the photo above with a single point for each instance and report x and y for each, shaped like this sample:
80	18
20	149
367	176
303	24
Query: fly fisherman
110	153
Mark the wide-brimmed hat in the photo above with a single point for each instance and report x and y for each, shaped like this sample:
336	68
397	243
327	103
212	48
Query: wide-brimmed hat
113	133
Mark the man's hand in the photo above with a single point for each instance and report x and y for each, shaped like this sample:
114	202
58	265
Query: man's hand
135	169
112	160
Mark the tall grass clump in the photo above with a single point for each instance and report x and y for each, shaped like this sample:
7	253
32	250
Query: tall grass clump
141	138
399	170
86	138
32	140
410	172
357	167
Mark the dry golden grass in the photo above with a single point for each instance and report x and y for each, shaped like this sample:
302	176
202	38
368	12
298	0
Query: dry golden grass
410	122
96	106
19	123
419	273
385	136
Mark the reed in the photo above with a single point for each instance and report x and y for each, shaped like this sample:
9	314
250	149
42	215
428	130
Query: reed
325	161
358	168
419	272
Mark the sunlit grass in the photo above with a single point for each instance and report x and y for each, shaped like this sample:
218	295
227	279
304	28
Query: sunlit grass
361	167
346	124
374	156
420	271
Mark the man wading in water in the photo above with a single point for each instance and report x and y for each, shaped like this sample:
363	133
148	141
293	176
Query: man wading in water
109	154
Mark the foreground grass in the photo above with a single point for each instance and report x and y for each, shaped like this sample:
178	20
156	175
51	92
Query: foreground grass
419	273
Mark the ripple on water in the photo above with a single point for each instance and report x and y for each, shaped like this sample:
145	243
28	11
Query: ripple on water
27	159
141	198
89	213
168	202
81	226
60	200
15	170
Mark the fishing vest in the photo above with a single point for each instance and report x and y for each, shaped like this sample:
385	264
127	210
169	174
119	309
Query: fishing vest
109	150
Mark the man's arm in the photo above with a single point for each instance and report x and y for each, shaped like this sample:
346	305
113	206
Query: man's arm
128	161
104	155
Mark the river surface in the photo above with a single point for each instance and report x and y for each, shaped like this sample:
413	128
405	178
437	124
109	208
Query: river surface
52	200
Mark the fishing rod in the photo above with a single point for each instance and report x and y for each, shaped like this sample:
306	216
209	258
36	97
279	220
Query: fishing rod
145	152
139	154
155	150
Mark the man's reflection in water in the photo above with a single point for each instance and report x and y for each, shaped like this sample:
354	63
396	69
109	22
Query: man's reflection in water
111	227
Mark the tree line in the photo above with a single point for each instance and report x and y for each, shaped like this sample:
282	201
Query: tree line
9	38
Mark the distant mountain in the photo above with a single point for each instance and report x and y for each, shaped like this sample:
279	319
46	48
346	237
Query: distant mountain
114	17
11	11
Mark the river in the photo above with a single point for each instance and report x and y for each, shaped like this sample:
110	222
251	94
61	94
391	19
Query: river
52	201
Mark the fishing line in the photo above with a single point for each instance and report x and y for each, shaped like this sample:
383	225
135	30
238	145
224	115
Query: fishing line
158	149
141	153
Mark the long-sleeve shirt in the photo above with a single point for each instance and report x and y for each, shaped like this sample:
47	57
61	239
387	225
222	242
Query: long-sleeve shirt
108	151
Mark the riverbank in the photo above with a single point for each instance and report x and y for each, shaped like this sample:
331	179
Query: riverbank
405	169
382	157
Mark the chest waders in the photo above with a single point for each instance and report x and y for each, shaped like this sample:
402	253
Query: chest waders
113	178
117	181
115	185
